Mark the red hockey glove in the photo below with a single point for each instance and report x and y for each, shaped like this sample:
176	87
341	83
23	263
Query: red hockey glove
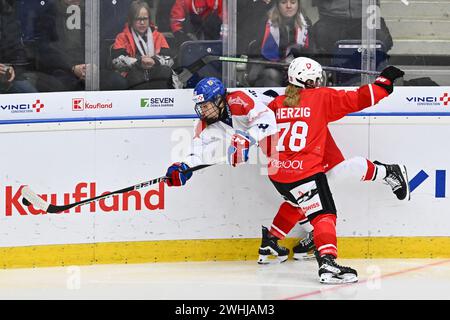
175	175
239	147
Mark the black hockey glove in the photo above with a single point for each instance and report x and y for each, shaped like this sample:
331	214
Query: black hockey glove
387	77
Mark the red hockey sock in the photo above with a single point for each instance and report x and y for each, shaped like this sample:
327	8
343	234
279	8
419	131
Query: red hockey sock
325	234
371	172
286	218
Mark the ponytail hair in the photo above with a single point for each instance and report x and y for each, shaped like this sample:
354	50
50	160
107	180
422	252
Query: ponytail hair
292	94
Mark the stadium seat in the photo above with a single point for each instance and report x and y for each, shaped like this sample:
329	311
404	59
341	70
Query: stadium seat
347	54
191	51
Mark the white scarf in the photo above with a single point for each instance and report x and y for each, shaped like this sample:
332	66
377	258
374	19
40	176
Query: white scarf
145	48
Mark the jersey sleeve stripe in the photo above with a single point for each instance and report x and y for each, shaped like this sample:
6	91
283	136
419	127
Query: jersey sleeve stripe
372	97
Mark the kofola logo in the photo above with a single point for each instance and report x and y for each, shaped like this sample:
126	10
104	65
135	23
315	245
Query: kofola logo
157	102
442	100
80	104
37	106
150	200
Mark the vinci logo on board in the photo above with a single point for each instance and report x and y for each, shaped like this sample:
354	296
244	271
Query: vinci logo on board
445	99
440	100
37	106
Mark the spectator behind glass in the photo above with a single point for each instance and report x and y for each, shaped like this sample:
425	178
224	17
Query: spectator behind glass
285	36
112	17
61	46
12	52
341	20
196	20
163	15
250	13
141	54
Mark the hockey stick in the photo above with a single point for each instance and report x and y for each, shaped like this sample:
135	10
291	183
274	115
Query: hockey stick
189	71
194	67
30	197
286	65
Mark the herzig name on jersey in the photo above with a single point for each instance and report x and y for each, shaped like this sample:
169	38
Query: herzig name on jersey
292	113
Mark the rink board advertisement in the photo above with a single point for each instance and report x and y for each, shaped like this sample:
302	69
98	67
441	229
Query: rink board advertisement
150	104
64	161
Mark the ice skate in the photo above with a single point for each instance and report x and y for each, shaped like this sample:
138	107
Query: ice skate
332	273
304	250
269	247
397	179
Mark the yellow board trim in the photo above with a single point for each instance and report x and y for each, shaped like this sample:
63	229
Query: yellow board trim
210	250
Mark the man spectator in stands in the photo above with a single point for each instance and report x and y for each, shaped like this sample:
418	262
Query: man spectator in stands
12	53
250	14
162	15
62	46
196	20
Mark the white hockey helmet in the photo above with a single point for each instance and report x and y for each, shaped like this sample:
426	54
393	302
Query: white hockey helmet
305	73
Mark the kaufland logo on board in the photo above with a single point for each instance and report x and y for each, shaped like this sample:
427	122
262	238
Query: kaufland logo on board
441	100
150	200
37	106
80	104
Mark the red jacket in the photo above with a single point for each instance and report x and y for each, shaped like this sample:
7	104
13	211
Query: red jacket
305	145
124	40
183	8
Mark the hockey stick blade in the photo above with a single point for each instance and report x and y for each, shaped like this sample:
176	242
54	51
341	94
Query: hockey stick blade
31	198
37	202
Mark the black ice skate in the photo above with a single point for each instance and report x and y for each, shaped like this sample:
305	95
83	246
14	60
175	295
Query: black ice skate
332	273
269	247
397	179
304	250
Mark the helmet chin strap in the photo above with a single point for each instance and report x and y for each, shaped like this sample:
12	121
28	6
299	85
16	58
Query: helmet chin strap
225	111
305	84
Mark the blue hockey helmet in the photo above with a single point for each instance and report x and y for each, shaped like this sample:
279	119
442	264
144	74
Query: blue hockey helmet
207	90
209	96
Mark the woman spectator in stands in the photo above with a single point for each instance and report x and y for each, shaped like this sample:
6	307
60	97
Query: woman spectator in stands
141	54
285	36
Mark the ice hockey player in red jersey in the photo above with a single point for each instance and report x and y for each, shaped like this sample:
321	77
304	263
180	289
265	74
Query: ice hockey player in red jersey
337	168
297	168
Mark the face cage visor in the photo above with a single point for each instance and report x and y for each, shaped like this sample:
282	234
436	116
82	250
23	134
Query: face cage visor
210	111
314	84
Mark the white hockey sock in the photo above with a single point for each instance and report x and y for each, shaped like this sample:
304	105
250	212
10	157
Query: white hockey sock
381	173
307	226
353	169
